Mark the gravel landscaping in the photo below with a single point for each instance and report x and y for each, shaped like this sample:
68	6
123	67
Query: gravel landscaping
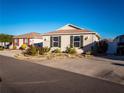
103	68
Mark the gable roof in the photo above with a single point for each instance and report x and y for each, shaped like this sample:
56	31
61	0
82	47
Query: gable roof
32	35
69	29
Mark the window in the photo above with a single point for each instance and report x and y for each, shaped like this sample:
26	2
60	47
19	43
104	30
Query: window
55	41
16	42
77	40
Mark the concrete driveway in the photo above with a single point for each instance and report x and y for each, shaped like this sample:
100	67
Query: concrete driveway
26	77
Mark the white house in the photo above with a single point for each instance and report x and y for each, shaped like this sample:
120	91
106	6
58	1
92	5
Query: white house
70	35
29	39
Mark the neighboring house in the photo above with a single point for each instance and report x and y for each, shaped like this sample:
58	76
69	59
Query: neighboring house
70	35
29	39
117	45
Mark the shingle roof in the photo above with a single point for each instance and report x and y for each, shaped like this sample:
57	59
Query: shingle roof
67	32
29	35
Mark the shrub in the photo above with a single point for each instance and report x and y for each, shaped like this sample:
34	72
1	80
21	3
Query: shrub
71	50
1	48
57	50
32	50
23	46
14	47
43	50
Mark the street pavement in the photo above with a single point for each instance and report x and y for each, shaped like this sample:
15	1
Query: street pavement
26	77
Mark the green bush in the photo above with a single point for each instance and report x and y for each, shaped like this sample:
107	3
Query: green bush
71	50
14	47
32	50
1	48
23	46
57	50
43	50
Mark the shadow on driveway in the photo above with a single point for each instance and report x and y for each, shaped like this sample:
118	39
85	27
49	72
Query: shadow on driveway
26	77
118	64
111	57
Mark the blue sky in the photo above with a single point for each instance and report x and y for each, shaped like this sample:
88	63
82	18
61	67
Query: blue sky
21	16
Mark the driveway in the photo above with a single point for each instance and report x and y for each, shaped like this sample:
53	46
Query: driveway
26	77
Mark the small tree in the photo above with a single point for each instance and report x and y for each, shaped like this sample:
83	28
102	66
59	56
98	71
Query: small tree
32	50
43	50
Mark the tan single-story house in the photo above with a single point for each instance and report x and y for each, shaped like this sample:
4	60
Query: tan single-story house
29	39
70	35
66	36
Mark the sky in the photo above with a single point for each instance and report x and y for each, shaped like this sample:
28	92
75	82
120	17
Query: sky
106	17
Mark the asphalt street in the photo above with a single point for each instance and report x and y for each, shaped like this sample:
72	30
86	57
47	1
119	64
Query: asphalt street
26	77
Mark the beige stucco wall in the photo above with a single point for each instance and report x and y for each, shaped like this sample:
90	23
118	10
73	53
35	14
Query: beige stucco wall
89	42
46	41
65	42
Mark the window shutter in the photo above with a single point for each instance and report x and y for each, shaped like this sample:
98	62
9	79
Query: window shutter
81	42
59	41
71	41
51	42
